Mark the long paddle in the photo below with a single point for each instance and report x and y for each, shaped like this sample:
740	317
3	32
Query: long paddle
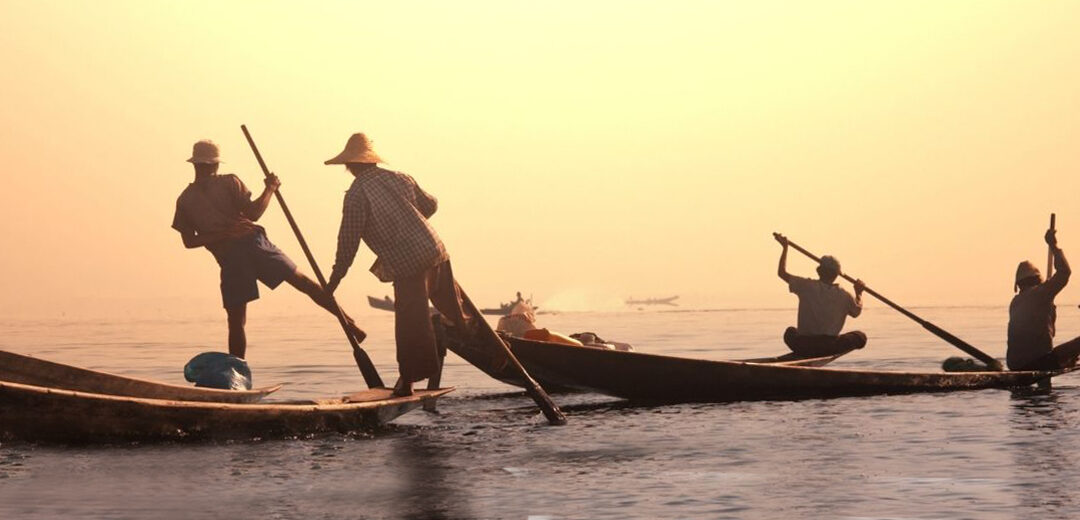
543	400
367	368
934	329
1050	251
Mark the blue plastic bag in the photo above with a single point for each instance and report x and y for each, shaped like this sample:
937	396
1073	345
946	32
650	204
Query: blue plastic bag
218	370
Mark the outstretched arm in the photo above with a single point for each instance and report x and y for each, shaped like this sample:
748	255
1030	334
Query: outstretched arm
349	236
257	207
856	308
426	203
1060	278
781	269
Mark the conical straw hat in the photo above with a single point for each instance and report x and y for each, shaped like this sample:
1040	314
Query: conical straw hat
357	150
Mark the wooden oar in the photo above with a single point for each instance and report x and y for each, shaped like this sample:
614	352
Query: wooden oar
934	329
543	400
1050	251
367	368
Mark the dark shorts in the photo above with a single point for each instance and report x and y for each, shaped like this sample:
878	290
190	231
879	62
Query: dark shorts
246	260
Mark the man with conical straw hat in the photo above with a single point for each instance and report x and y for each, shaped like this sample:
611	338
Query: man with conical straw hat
389	211
217	212
1032	316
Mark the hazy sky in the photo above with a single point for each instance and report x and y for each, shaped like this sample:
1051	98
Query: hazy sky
582	152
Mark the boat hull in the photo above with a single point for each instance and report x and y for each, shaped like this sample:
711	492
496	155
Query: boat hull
548	363
381	304
651	377
38	414
29	370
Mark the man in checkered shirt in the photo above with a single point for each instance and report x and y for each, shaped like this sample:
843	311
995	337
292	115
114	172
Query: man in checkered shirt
389	211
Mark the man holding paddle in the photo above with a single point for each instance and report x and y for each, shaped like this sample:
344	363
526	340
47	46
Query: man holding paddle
1032	316
823	308
390	212
217	212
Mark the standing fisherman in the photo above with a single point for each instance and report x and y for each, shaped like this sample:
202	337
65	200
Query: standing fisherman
823	308
390	212
1032	316
216	212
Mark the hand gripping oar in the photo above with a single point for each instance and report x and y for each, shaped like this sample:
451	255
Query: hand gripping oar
543	400
934	329
1050	251
371	376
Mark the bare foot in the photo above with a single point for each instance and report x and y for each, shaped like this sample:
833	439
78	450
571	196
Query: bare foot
402	389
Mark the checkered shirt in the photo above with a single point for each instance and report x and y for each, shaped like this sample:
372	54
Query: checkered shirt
389	211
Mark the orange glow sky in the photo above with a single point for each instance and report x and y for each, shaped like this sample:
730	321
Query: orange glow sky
583	152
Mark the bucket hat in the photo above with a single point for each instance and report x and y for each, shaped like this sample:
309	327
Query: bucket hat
357	150
205	152
830	264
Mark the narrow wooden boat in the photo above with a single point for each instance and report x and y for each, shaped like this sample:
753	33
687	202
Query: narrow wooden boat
652	377
596	363
18	368
385	304
39	414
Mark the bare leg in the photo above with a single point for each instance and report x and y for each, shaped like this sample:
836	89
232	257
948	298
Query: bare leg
237	337
433	384
318	295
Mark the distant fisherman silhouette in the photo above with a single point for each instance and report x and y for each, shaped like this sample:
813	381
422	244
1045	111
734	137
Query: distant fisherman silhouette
216	212
1032	316
823	308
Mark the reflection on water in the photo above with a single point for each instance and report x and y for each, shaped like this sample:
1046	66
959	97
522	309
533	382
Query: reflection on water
1042	455
429	489
488	453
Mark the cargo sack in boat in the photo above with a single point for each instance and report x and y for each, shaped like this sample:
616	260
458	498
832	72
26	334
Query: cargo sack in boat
960	364
590	339
218	370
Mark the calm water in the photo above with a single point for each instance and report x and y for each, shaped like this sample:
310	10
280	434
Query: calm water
489	454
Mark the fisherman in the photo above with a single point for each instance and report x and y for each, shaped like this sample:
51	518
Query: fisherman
1032	316
216	212
823	308
390	212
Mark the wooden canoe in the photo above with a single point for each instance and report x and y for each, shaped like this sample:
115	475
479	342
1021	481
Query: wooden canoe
535	357
380	303
652	377
18	368
38	414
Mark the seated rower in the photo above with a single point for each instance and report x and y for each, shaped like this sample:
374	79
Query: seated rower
823	308
1032	316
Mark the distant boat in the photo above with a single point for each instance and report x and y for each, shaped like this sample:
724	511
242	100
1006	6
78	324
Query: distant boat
505	308
386	303
654	301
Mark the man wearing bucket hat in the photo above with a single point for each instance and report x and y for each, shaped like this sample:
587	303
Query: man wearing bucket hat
1032	316
217	212
390	212
823	308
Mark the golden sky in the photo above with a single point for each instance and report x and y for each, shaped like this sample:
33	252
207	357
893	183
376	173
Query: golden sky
582	152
